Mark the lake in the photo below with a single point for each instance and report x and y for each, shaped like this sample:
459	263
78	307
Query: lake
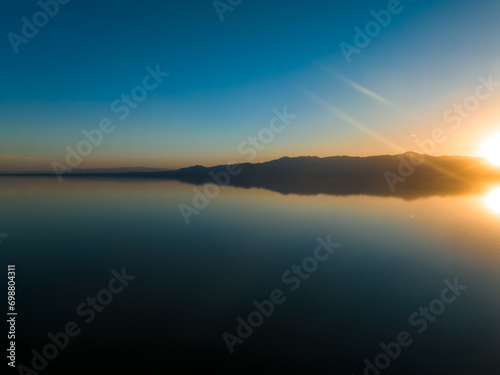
322	283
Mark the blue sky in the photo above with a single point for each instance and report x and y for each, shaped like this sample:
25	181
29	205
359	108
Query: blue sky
227	77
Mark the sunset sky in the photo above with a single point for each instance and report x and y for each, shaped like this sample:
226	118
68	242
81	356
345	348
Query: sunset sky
226	78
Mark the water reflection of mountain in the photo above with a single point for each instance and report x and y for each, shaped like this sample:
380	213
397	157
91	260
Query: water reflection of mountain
411	175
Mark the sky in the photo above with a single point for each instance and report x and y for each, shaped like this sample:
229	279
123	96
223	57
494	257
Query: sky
231	69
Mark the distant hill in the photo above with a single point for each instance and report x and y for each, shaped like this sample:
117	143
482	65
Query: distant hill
119	170
104	171
408	175
349	166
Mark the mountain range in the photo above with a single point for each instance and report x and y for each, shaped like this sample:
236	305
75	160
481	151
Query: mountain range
409	175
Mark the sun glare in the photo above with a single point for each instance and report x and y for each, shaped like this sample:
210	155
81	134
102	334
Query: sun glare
490	149
493	200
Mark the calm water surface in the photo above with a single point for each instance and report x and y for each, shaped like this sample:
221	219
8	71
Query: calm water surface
193	281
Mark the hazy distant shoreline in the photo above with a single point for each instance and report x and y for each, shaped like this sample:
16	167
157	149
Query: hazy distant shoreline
341	175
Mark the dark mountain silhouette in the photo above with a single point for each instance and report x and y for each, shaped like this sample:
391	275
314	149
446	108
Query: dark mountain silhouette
349	166
408	175
412	175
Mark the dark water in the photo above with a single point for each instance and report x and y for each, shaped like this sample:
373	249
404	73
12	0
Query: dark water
193	281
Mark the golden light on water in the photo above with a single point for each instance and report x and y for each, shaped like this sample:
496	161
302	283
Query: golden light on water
492	200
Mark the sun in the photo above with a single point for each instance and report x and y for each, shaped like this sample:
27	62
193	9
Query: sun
490	149
493	200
